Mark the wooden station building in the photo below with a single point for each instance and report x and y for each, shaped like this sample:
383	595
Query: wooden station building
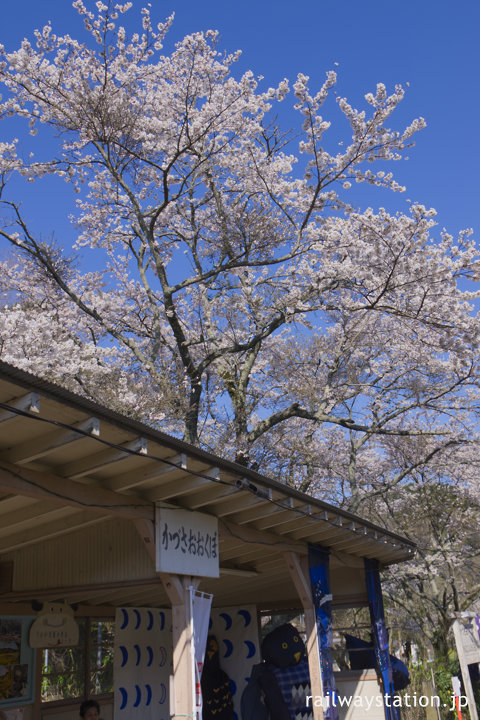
80	488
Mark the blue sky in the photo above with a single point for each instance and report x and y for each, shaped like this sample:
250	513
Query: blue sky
431	44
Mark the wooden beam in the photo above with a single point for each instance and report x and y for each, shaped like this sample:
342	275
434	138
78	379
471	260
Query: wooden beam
27	517
259	537
146	530
246	554
298	568
255	513
152	470
175	488
229	505
327	532
238	572
68	591
68	521
280	518
86	465
171	583
27	403
306	523
47	443
173	587
209	491
45	486
355	543
300	579
11	502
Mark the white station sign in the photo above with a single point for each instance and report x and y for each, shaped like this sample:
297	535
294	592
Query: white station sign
186	542
467	639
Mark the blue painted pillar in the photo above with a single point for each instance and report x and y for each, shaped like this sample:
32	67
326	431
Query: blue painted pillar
380	635
319	565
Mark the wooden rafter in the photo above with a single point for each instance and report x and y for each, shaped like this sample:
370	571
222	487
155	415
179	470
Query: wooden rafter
46	486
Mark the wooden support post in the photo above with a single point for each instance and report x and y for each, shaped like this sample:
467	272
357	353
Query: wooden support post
299	572
146	530
182	689
182	703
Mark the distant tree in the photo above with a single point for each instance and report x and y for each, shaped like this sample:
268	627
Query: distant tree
442	519
237	288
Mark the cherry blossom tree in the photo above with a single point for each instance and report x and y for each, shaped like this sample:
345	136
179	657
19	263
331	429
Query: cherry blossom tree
443	579
240	299
236	286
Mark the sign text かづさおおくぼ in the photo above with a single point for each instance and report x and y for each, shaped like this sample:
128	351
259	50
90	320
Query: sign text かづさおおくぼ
186	542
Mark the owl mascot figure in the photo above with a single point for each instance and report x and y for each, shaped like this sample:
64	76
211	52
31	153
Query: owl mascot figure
279	686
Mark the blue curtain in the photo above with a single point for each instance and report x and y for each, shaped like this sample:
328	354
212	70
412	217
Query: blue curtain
319	564
380	635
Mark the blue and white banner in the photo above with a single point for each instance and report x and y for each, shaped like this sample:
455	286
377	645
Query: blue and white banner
142	663
236	630
143	655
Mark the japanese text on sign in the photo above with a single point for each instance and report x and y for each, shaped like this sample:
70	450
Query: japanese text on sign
186	543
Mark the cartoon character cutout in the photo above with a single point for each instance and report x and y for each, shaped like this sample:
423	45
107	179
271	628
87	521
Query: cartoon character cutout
55	626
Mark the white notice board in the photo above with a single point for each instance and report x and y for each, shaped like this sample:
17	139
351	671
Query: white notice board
186	542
